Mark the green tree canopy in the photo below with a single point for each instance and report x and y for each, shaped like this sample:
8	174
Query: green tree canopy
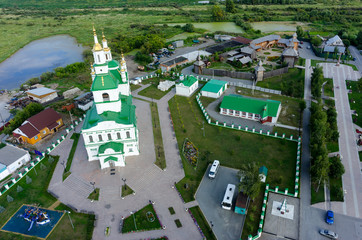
300	31
336	168
230	6
316	82
188	27
316	41
250	183
217	13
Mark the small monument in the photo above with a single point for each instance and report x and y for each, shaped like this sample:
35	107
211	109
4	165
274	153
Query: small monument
283	208
198	65
259	71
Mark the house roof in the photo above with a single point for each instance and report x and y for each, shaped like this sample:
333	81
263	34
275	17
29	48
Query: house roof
214	86
241	103
9	154
36	123
116	146
283	41
253	46
331	49
290	52
333	40
247	50
245	60
267	38
40	91
188	81
113	64
242	40
126	116
174	61
259	67
104	82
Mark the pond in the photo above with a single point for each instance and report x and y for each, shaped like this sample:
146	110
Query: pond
276	26
38	57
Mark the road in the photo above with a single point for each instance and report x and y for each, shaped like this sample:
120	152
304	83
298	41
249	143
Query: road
355	53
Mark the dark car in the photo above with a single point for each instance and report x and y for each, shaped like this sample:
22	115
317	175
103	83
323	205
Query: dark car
330	217
328	234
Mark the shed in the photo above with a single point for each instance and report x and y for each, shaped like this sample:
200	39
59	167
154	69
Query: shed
187	87
42	94
241	204
214	88
263	172
11	159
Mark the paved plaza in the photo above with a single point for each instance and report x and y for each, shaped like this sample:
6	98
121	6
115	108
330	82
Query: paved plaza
146	179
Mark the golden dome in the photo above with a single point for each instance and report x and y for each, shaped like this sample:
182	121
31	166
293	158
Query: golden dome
104	37
97	47
122	61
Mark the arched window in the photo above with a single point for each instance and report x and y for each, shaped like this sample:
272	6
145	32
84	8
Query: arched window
109	136
99	58
105	96
118	135
90	139
106	56
128	134
100	138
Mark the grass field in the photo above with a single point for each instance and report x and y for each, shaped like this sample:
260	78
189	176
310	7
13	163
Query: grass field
360	156
355	100
289	114
332	147
152	91
290	83
233	148
221	65
36	193
336	189
139	221
317	196
157	137
328	87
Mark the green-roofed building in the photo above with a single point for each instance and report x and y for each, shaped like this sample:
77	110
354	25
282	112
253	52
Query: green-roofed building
214	88
187	85
110	127
263	110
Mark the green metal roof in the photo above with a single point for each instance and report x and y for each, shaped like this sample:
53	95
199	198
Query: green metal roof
263	107
104	82
126	116
113	64
110	158
116	146
263	170
214	86
189	81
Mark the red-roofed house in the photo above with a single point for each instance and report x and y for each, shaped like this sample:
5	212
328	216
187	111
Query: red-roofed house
242	40
38	126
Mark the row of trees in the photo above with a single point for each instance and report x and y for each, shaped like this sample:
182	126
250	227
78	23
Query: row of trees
22	115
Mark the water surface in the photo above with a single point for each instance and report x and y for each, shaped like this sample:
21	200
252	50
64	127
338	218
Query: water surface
38	57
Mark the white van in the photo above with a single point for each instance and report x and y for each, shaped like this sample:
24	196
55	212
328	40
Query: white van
214	168
227	203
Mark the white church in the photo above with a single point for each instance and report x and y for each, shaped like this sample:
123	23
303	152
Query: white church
110	127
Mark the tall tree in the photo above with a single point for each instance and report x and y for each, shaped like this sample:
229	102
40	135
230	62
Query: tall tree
230	6
218	14
316	82
250	183
300	31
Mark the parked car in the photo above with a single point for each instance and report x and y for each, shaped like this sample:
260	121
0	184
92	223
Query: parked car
330	217
358	131
328	234
301	42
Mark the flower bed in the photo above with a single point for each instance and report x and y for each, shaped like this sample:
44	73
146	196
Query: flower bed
190	152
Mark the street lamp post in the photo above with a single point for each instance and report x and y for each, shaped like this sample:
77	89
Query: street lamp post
211	224
70	219
94	188
124	183
63	163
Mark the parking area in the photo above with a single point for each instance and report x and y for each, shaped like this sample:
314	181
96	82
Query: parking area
226	224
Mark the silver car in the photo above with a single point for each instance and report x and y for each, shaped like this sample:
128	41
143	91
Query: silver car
328	234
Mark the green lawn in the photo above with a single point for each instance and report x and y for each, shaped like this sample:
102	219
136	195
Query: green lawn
140	222
221	65
152	91
36	193
290	83
317	196
360	156
201	220
332	147
301	62
94	195
252	219
289	114
336	189
126	190
75	138
206	101
287	132
355	100
157	137
233	148
328	87
134	87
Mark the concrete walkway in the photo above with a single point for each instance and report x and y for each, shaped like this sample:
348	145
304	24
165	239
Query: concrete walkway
146	179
